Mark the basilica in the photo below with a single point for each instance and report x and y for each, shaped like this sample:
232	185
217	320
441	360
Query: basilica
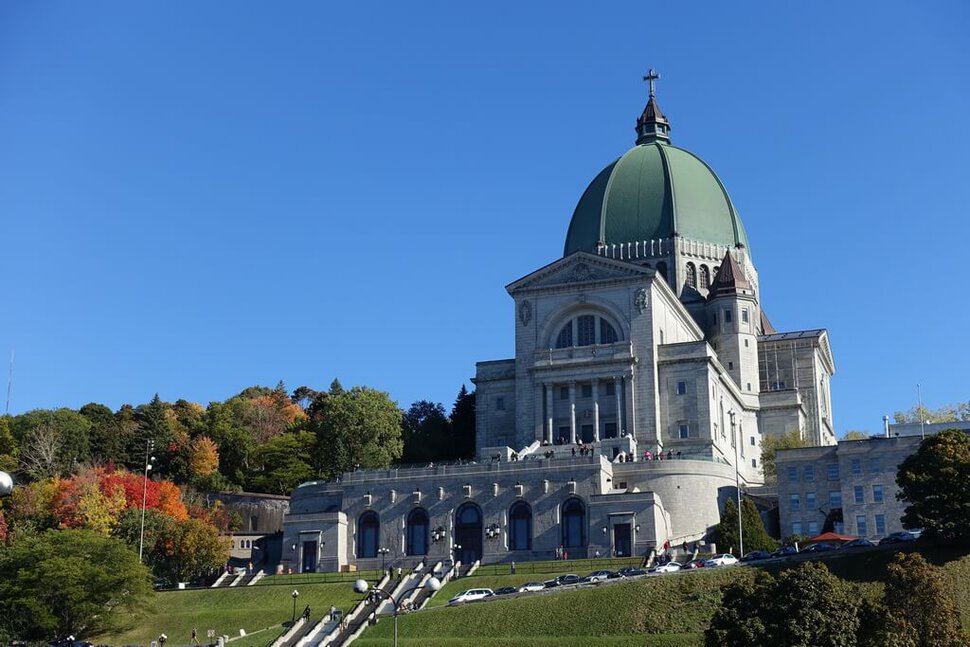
645	375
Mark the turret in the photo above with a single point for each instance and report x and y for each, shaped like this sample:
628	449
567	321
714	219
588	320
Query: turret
732	306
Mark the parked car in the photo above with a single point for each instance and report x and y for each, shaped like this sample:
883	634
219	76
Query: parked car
861	542
565	580
821	547
471	595
724	559
597	576
631	571
530	587
901	537
756	555
785	551
669	567
505	590
694	563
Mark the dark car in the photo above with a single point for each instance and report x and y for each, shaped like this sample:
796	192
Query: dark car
756	555
861	542
696	563
821	547
785	551
899	537
631	571
505	590
565	580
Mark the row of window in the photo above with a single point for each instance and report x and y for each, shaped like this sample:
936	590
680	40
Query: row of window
692	274
835	498
468	525
587	390
808	472
861	524
582	330
875	465
243	543
585	432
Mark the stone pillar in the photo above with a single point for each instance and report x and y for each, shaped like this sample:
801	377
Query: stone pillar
618	391
538	427
572	412
596	410
631	413
550	388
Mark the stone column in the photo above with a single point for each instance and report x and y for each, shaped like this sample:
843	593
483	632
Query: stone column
550	387
631	413
572	412
538	431
596	410
618	391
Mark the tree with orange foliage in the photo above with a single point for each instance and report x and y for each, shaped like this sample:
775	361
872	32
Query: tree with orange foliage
203	457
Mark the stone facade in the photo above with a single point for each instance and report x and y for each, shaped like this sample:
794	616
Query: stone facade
626	350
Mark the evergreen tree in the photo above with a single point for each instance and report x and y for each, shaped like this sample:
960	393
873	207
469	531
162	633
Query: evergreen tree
755	535
427	433
463	424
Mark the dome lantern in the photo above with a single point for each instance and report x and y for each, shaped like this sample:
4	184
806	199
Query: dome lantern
652	123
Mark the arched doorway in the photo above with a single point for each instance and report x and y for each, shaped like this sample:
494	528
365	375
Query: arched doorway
574	525
468	533
520	526
368	531
417	532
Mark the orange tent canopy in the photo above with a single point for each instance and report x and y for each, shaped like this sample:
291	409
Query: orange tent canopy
829	536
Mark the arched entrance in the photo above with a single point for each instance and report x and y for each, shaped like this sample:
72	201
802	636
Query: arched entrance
417	532
574	525
468	533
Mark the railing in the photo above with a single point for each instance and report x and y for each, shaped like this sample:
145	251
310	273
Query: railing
551	356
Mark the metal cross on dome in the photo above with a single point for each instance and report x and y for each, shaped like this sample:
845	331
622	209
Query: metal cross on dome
650	78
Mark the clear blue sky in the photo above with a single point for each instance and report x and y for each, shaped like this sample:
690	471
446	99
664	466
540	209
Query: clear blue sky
198	197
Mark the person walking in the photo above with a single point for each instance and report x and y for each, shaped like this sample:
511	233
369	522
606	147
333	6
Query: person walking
195	637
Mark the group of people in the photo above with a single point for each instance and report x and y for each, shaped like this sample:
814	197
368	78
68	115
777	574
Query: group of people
562	553
649	456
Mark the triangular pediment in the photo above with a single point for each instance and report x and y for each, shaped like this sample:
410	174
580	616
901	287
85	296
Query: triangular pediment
580	268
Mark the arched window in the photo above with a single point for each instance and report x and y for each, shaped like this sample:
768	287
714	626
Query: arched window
469	532
691	275
417	532
368	531
582	331
573	524
662	270
520	526
705	277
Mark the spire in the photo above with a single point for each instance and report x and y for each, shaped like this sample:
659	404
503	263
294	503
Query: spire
652	124
730	279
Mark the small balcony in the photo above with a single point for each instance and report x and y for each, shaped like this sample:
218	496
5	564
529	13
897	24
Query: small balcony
578	355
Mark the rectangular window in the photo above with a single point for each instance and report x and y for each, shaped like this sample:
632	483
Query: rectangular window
754	462
587	390
875	465
856	464
749	386
609	430
793	474
839	527
730	366
835	499
833	471
880	524
813	528
681	388
809	500
586	330
809	473
685	431
745	342
795	502
877	493
744	315
564	393
752	441
796	527
860	524
611	388
727	316
860	495
500	403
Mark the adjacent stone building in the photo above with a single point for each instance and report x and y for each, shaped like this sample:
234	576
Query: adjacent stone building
645	373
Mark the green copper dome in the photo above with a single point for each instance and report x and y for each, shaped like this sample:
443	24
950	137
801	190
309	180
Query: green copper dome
655	190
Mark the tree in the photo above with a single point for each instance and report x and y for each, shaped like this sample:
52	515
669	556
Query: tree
856	434
357	428
803	607
203	457
463	423
947	413
919	606
285	463
426	433
51	441
8	446
935	481
69	582
771	444
755	535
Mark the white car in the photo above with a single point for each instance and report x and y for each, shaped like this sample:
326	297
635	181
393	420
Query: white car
471	595
531	587
725	559
669	567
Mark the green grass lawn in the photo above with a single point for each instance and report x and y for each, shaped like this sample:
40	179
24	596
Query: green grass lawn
227	610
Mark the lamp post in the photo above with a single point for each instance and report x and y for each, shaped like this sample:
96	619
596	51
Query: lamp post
737	482
493	531
361	586
438	534
295	595
149	459
383	553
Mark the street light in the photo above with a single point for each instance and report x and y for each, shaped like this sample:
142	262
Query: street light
493	531
361	586
149	459
295	595
383	553
438	534
737	482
